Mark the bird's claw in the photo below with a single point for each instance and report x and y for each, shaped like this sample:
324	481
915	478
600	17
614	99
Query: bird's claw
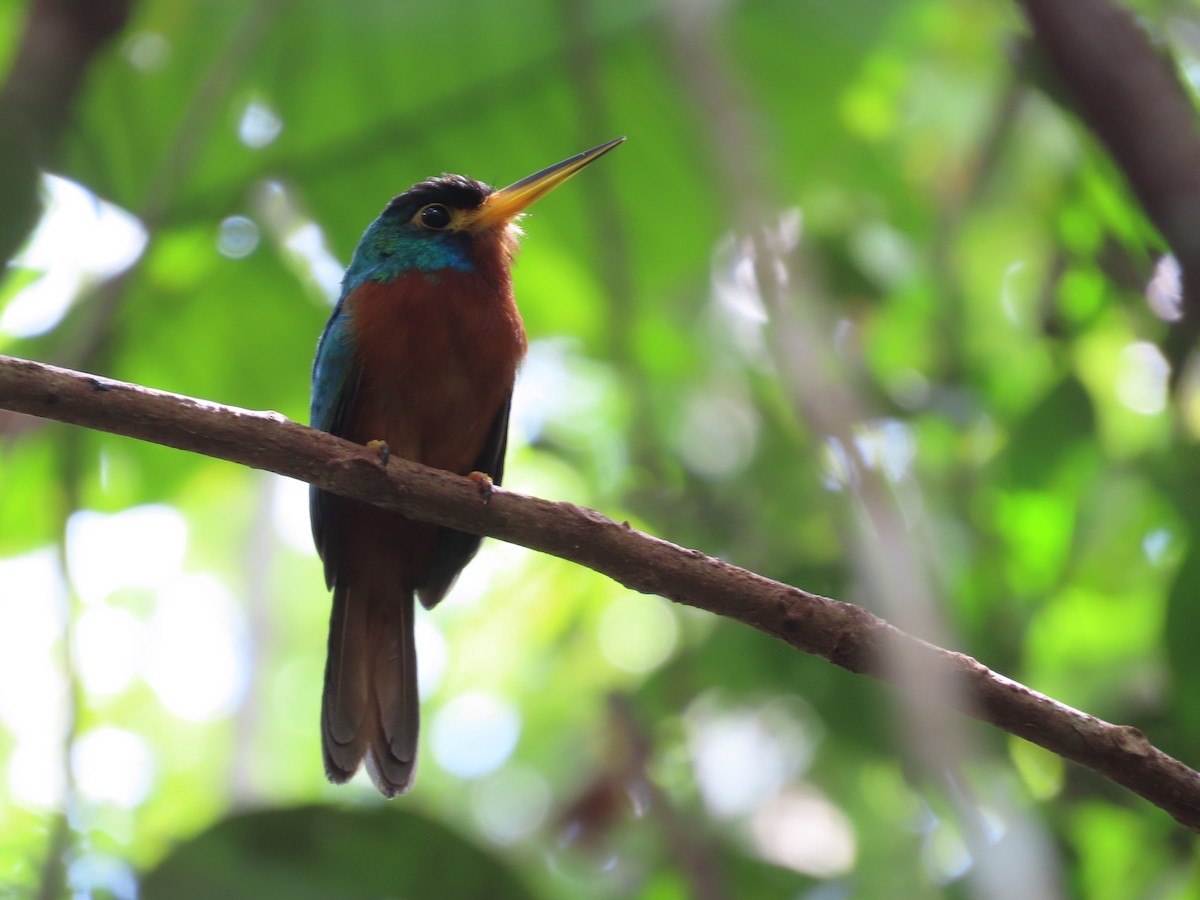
484	484
382	448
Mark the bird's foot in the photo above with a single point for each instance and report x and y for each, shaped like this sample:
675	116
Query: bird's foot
483	482
382	448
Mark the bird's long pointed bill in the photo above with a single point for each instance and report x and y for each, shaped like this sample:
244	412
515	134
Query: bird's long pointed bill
507	203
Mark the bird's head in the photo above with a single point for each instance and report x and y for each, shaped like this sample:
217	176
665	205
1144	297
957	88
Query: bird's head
454	223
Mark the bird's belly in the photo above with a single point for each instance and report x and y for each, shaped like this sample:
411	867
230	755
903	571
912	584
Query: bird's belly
434	377
442	420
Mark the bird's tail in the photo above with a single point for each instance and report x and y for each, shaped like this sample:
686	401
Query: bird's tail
369	711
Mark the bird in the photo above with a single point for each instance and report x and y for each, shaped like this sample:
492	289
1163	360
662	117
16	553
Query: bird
418	360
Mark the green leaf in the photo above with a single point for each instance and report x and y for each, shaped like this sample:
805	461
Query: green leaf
318	852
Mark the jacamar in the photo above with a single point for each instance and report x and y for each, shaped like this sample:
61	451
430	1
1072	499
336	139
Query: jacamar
418	360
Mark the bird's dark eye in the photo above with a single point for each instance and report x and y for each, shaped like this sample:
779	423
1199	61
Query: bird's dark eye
434	216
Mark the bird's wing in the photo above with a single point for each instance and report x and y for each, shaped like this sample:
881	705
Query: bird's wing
455	548
334	387
333	381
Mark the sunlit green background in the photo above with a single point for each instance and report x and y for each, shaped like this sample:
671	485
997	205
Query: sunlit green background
967	257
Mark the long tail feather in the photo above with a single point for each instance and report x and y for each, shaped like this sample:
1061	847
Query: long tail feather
346	696
370	707
392	754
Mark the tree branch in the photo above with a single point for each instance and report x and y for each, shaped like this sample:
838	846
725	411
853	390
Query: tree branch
1130	97
844	634
60	39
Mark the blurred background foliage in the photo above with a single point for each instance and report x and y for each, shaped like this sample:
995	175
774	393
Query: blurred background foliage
963	263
